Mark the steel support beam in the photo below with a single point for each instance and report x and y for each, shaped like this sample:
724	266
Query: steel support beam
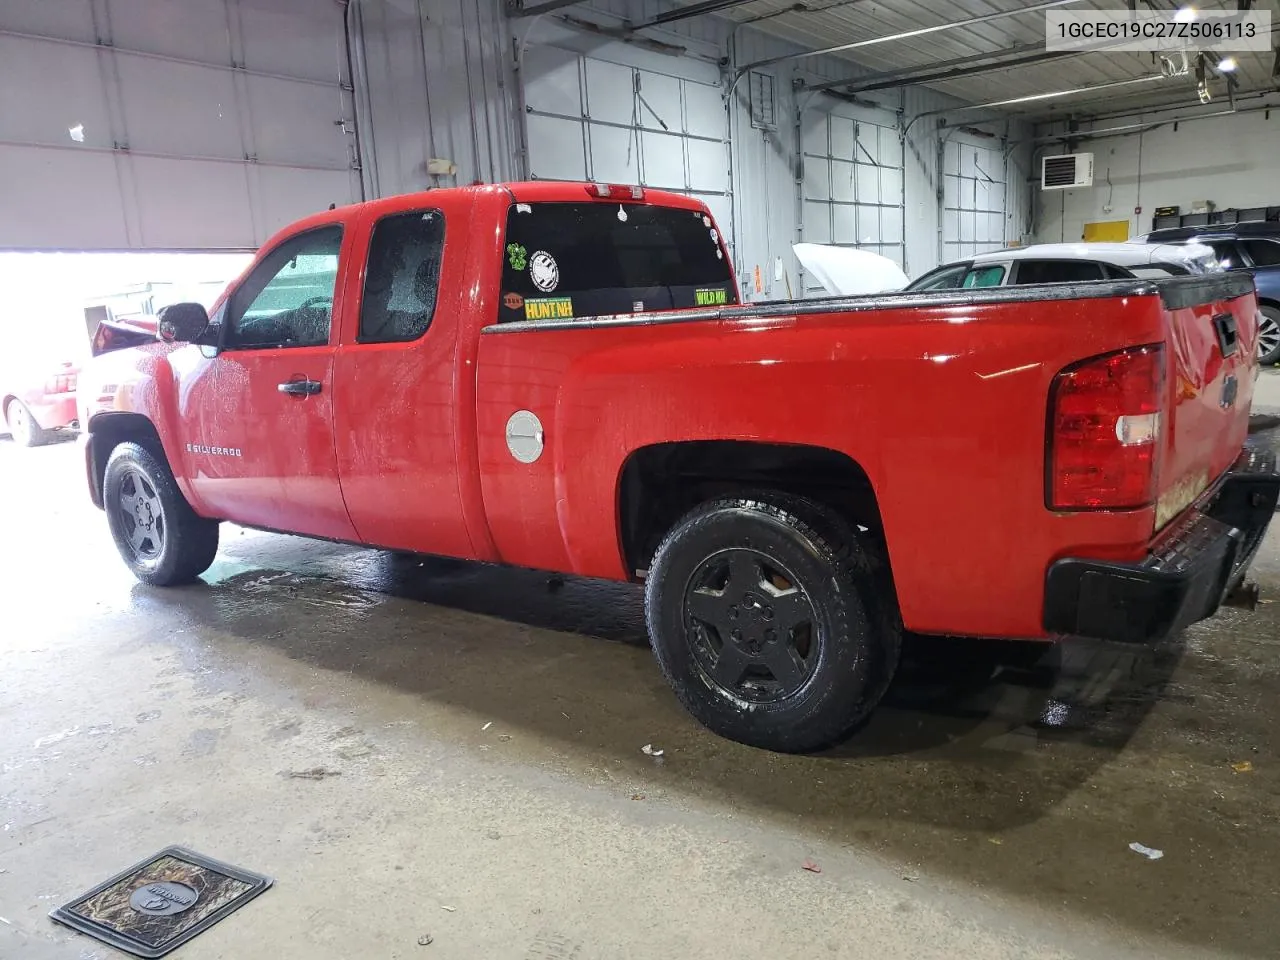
516	8
969	66
686	13
904	35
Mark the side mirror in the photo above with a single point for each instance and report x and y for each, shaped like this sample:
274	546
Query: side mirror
182	323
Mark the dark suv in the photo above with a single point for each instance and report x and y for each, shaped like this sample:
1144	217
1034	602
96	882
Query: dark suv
1253	245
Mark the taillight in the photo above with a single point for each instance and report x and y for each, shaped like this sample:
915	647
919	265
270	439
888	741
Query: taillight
61	383
615	191
1105	418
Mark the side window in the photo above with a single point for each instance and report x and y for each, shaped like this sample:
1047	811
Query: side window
1112	272
991	276
1226	252
1058	271
288	299
404	273
1263	253
948	278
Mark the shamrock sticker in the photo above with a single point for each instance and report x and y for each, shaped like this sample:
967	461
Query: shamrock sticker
517	256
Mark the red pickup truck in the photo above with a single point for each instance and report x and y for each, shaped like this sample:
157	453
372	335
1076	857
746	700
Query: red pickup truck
560	376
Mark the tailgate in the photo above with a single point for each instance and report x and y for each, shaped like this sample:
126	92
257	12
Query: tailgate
1212	361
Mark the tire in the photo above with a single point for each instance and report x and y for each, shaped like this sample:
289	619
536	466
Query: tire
157	533
23	427
820	633
1269	335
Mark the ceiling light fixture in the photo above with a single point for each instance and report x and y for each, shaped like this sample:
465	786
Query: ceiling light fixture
1227	64
1185	15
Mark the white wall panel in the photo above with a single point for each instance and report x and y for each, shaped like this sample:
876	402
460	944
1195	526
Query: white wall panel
974	173
667	130
1229	160
138	98
556	149
88	196
615	155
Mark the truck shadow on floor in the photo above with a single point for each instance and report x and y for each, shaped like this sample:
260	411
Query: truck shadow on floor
957	700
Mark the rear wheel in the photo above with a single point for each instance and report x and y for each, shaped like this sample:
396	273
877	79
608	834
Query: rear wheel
26	432
773	620
1269	335
157	533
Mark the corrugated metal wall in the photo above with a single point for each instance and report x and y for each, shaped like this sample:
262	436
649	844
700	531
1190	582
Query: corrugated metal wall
441	82
435	81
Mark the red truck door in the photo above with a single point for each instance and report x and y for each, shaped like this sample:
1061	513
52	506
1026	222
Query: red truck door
398	402
258	418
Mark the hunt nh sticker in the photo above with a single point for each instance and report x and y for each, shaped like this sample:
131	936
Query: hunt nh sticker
710	298
552	308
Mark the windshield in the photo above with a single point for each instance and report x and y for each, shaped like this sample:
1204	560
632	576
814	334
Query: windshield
566	260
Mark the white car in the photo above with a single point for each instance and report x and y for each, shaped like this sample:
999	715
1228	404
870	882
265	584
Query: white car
1071	263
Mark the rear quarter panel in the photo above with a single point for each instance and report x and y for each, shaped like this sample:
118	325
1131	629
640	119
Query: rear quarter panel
944	407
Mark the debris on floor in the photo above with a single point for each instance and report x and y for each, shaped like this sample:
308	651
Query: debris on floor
649	751
1149	852
315	773
449	909
425	940
486	726
810	866
637	796
1243	766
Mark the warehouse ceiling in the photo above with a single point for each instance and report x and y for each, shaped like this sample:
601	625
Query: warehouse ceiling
999	59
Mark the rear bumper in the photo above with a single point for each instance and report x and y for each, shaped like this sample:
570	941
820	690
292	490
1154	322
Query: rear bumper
1187	575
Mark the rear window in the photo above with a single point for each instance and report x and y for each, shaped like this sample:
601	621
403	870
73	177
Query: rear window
1264	253
1058	271
566	260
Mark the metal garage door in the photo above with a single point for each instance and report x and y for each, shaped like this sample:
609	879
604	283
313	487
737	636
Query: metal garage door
852	185
590	119
170	124
973	199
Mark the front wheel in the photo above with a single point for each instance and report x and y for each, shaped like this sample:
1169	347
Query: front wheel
157	533
773	620
1269	335
23	427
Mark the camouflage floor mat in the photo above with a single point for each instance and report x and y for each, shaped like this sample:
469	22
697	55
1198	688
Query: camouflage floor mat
159	904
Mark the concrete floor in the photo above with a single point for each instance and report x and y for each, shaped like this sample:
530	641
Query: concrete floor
480	736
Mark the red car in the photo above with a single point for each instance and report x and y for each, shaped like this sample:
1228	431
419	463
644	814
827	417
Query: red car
37	410
560	376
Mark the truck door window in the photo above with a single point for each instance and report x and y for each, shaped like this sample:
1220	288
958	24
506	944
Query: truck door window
1057	271
566	260
287	301
991	276
402	277
1263	253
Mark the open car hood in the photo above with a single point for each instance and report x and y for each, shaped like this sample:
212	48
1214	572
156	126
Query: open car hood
847	272
118	334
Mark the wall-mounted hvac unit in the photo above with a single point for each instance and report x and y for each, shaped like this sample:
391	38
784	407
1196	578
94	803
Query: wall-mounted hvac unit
1066	171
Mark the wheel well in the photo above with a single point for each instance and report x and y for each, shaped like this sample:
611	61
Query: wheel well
1268	302
107	431
663	482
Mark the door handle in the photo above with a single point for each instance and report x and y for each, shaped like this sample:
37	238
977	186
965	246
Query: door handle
299	388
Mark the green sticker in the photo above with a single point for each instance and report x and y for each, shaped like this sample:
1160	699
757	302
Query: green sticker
552	308
517	256
710	298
